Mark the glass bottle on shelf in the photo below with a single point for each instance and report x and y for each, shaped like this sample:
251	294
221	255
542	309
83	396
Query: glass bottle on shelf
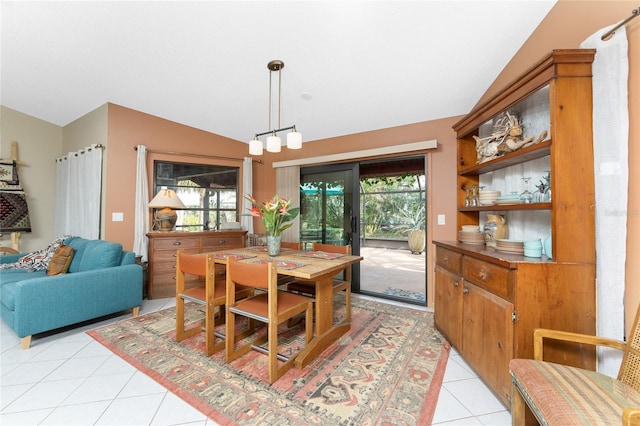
526	197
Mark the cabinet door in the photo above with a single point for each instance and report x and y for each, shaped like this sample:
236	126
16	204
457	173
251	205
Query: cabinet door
448	306
487	337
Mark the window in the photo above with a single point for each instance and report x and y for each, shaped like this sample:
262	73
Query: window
209	193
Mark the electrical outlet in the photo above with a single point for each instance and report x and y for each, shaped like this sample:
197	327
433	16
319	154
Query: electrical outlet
441	219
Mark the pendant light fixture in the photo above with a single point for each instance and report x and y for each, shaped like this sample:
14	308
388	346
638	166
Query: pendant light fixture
274	144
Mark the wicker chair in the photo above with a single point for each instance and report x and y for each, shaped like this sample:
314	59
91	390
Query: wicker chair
554	394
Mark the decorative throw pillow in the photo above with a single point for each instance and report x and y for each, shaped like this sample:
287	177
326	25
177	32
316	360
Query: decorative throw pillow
61	260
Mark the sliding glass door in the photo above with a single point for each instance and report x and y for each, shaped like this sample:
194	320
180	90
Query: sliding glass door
329	208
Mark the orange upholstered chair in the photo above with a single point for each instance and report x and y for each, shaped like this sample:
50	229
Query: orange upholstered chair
210	293
270	306
309	288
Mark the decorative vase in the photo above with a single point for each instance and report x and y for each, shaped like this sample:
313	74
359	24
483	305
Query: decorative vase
495	229
273	244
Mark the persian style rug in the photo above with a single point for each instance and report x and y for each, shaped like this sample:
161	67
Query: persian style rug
387	370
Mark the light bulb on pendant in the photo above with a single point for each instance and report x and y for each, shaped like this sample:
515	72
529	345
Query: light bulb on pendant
255	146
294	139
273	143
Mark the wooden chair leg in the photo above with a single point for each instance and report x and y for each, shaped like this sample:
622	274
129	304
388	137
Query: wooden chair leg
25	342
521	414
135	311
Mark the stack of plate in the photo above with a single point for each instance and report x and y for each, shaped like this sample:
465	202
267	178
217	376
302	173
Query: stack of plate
488	197
471	237
510	246
512	198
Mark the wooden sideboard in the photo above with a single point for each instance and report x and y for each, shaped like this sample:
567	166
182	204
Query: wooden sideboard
487	302
162	255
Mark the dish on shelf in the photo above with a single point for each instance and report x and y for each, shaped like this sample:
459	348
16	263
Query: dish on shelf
476	237
507	202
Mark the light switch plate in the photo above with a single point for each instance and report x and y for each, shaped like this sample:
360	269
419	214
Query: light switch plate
441	219
117	217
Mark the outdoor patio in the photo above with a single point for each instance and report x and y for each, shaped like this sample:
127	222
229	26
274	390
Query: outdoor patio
395	272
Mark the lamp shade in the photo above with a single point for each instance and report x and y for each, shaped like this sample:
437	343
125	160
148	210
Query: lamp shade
273	144
166	198
255	147
294	140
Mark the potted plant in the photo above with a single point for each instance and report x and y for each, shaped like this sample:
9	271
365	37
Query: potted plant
277	216
414	221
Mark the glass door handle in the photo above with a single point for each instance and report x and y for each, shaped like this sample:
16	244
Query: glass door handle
354	224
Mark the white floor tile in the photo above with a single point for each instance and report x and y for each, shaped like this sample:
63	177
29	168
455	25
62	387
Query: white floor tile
174	410
76	368
449	408
139	385
26	418
475	396
98	388
71	415
30	372
134	411
44	395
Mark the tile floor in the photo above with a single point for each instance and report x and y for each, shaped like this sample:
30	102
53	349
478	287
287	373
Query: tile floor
69	379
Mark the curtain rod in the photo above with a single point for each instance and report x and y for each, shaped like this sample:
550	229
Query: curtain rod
634	13
189	154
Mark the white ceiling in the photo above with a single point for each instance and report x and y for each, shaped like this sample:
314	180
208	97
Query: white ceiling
365	64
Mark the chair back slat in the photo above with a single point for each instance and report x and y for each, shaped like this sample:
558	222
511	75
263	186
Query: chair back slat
249	275
630	368
193	264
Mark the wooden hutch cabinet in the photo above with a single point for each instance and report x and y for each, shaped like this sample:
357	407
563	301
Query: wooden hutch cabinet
488	302
162	255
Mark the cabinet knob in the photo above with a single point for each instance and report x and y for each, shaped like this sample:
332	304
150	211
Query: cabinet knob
465	290
482	274
177	243
221	242
456	283
445	259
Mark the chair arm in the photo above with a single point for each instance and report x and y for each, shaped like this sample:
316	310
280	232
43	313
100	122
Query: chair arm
631	416
540	333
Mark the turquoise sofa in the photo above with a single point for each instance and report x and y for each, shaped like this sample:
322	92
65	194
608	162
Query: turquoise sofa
102	279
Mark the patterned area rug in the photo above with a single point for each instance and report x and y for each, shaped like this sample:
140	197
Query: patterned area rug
387	370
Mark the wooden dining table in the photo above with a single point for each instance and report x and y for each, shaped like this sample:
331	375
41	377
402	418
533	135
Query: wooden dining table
319	268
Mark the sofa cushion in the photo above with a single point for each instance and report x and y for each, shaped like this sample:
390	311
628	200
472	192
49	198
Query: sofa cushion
9	278
78	244
100	254
61	260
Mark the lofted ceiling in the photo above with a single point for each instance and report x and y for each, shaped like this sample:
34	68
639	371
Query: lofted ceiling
350	66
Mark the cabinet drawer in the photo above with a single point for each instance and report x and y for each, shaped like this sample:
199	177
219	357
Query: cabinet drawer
176	243
169	256
221	243
449	260
493	278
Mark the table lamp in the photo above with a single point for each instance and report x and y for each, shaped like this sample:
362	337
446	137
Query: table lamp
166	199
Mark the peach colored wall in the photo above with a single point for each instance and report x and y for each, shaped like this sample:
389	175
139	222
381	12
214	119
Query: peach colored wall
441	172
568	24
128	128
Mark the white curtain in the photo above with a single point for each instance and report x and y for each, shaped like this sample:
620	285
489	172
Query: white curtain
141	219
288	186
611	144
79	193
247	189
